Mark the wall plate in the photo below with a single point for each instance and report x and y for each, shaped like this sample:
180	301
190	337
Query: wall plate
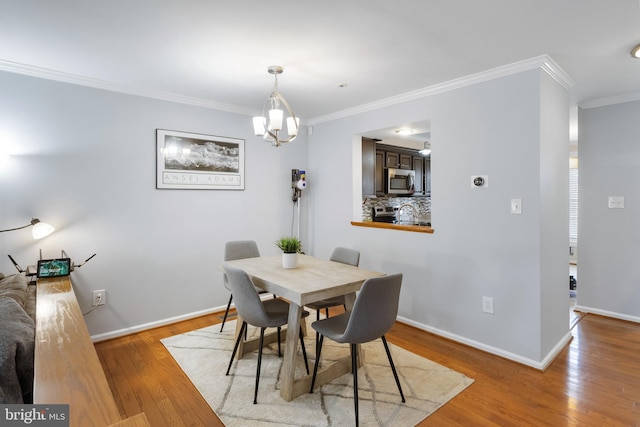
616	202
516	206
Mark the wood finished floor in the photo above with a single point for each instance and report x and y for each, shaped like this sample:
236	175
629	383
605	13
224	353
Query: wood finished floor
595	381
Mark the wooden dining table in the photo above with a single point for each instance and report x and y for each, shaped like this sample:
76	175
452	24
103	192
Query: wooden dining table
314	279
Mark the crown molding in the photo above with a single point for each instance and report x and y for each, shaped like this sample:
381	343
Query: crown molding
45	73
543	62
612	100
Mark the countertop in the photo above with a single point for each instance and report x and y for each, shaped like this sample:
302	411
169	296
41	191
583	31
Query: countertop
388	226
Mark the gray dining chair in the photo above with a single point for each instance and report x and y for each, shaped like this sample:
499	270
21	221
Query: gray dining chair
238	249
373	314
271	313
345	256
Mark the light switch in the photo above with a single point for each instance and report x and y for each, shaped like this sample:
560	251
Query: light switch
516	206
616	202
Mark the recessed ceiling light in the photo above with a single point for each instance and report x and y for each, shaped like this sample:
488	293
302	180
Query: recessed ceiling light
342	85
404	131
635	52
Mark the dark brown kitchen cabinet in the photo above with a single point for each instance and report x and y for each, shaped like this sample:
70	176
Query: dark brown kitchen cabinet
427	176
392	159
405	161
418	167
369	178
380	173
386	156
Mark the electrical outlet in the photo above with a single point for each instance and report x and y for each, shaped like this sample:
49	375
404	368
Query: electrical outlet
99	297
487	305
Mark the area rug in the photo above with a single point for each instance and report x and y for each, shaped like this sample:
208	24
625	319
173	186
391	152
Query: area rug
204	355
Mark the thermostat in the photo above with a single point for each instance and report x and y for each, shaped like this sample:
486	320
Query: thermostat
479	181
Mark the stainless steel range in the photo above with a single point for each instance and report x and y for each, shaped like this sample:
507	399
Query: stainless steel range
384	214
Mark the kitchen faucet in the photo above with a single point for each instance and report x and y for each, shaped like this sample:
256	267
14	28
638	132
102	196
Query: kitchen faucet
407	205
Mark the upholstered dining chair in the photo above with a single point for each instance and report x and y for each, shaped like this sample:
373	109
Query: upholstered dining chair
237	249
345	256
373	314
271	313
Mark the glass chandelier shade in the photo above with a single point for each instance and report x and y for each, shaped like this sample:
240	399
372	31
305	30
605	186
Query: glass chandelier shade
270	124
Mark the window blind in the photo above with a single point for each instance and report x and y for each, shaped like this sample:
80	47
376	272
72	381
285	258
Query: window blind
573	206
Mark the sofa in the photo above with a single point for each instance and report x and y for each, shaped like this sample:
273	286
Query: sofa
17	338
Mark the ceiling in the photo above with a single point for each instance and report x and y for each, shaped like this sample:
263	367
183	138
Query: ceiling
337	55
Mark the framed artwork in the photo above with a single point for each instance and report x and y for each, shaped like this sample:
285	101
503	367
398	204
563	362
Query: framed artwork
195	161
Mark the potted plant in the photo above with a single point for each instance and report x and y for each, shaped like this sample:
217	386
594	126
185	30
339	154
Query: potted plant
290	247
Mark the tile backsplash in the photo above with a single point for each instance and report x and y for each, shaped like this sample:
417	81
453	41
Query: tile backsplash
422	205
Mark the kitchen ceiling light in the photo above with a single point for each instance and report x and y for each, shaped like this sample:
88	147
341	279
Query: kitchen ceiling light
426	150
404	131
635	52
269	125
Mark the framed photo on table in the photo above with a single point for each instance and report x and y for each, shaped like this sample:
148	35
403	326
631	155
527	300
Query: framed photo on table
196	161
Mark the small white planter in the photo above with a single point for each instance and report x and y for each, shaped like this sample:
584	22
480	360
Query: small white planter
289	260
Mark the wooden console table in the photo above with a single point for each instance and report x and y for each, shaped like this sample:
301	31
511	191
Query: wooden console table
67	369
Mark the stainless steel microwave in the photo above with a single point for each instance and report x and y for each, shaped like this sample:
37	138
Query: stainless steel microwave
400	181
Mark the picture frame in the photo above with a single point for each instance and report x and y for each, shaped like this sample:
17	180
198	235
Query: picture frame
188	160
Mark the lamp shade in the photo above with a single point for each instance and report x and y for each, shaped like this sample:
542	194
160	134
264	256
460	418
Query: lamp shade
258	126
42	229
292	125
275	119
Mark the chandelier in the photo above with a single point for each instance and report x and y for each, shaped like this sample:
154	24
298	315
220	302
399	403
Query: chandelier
269	125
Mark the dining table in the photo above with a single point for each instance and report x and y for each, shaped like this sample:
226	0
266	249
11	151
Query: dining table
313	279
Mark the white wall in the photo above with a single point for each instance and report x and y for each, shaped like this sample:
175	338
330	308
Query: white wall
554	212
84	161
478	248
609	239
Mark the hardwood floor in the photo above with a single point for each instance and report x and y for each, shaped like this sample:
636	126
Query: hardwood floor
595	381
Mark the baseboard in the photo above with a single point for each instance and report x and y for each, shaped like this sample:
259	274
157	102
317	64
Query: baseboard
607	313
146	326
540	365
162	322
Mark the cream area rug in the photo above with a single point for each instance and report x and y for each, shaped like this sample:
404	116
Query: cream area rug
204	356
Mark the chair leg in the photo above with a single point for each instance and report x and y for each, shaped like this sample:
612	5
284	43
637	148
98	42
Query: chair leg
279	352
235	347
255	393
304	351
315	366
393	367
354	370
317	335
226	313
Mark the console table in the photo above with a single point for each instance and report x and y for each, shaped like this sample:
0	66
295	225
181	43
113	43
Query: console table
66	368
